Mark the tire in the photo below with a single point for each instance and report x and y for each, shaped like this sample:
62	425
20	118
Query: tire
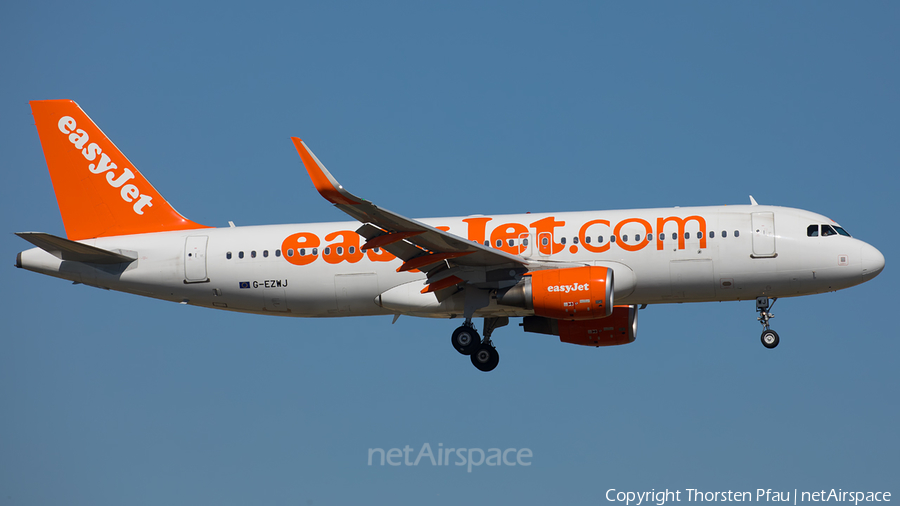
485	358
465	340
769	339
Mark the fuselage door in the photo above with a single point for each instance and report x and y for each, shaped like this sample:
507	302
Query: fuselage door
195	259
356	292
763	225
692	279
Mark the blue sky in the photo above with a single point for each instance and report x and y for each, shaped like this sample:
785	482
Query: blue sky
451	109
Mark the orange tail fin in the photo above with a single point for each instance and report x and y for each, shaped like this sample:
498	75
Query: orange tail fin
99	192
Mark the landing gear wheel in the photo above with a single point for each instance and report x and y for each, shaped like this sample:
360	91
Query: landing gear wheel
485	358
769	339
465	340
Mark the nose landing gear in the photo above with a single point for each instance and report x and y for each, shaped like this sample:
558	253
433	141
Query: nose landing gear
769	337
482	352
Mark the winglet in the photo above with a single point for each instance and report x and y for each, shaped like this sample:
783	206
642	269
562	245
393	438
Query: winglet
325	183
753	201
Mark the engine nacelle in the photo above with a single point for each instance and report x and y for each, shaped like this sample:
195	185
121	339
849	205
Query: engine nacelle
619	328
574	293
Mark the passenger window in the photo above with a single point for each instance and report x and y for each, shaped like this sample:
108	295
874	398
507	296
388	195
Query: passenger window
612	238
699	235
253	254
376	250
562	240
352	249
575	240
737	233
265	253
303	252
240	254
587	239
315	251
724	234
600	239
340	250
327	251
712	234
637	237
278	253
544	241
674	235
487	243
842	231
625	238
290	252
687	235
511	242
812	231
649	237
525	241
228	255
499	243
827	230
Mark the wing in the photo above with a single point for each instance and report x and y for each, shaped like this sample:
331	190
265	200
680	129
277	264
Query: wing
446	258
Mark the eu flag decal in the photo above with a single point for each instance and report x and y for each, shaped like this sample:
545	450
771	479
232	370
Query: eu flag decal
244	284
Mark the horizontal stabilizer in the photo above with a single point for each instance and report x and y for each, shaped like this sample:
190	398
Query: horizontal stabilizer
72	251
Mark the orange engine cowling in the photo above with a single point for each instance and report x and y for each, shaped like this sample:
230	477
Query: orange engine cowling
574	293
619	328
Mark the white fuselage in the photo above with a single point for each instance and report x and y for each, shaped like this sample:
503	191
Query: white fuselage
717	253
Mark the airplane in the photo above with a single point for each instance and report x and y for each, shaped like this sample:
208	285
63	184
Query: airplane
581	276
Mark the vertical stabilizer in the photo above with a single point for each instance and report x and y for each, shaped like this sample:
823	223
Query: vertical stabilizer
99	192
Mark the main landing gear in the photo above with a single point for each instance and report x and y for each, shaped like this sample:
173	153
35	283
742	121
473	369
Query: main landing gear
484	355
769	337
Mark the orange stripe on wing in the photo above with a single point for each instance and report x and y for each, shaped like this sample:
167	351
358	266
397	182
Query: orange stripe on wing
440	285
386	239
423	260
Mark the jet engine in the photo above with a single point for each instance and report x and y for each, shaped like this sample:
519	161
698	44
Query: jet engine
574	293
619	328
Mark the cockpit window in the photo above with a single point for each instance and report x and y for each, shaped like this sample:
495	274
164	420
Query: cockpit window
813	231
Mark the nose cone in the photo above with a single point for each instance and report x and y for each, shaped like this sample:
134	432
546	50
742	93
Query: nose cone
872	262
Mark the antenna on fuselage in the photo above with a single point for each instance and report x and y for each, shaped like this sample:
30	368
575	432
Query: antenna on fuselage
753	201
